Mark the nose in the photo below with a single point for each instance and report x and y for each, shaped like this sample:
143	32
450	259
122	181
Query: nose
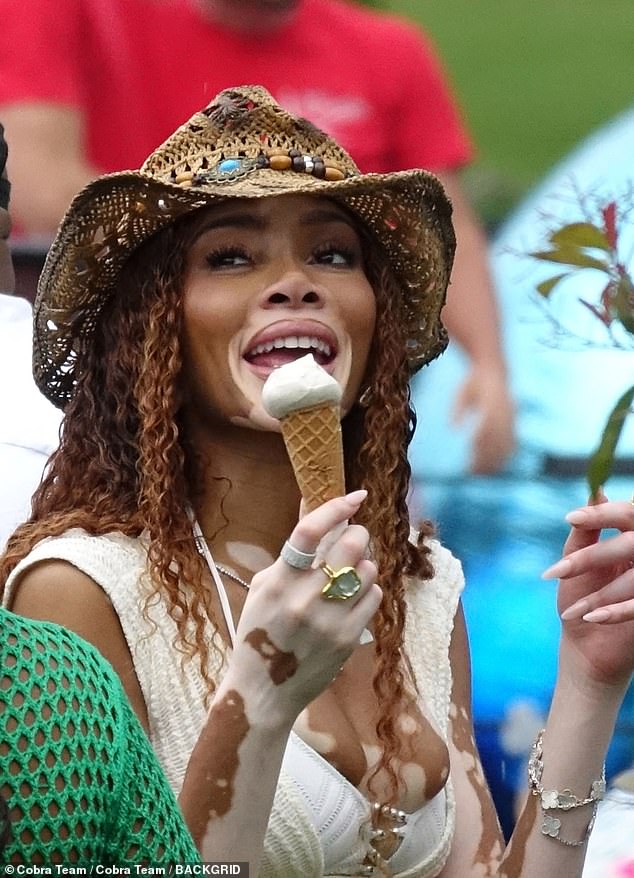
293	289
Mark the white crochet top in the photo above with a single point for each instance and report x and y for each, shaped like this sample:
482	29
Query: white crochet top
295	840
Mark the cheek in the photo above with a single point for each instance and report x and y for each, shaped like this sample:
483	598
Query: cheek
367	309
217	387
362	323
206	342
210	319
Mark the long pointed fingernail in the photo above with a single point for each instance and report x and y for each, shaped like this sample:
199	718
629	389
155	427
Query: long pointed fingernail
575	611
356	496
596	616
577	516
557	571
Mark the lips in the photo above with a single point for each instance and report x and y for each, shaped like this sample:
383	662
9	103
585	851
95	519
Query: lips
279	344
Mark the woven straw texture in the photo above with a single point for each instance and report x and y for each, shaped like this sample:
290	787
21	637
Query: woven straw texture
406	213
314	444
78	774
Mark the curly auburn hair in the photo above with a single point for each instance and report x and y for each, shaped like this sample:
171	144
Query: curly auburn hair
123	432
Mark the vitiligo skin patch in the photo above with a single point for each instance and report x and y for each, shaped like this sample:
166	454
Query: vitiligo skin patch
282	665
488	852
229	719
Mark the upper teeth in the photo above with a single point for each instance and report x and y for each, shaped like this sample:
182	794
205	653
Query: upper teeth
292	342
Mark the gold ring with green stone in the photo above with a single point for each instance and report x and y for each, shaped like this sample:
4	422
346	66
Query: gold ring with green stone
342	584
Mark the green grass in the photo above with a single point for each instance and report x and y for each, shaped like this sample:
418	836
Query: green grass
533	76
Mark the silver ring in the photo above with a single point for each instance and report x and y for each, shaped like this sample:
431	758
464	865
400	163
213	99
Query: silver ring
295	558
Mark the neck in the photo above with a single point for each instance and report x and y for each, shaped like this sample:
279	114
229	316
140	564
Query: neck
249	17
248	500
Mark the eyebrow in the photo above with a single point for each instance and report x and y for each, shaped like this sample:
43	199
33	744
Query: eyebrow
239	221
325	215
254	222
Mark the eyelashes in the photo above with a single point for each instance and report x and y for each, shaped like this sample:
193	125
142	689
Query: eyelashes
228	257
337	255
333	254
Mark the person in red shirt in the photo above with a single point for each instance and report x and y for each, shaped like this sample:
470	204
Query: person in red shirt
371	80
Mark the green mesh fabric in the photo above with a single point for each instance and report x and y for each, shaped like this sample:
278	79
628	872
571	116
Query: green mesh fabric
76	769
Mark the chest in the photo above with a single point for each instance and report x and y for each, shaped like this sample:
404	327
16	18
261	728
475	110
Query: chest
341	726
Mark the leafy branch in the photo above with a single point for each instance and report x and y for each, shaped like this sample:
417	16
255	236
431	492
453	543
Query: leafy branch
583	246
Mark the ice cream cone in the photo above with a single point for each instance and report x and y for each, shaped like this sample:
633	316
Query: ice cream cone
313	440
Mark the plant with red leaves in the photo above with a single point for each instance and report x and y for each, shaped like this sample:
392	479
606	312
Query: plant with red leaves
583	246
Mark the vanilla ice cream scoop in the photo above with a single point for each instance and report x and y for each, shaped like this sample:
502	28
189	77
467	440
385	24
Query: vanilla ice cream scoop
298	385
306	400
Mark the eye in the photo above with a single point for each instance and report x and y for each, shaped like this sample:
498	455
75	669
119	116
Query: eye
336	255
228	257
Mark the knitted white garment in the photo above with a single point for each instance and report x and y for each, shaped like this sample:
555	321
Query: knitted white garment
177	713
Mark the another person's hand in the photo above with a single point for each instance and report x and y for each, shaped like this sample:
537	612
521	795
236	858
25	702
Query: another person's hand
596	590
291	641
485	392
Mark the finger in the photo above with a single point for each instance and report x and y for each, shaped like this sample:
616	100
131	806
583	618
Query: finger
617	550
349	548
621	612
619	591
365	607
616	514
312	528
353	628
329	540
580	537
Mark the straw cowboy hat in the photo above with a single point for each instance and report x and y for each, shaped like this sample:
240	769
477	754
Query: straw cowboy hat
243	145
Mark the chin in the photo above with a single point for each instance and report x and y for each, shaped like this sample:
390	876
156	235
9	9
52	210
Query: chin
258	420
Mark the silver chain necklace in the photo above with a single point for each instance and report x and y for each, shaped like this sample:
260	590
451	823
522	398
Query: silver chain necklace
232	575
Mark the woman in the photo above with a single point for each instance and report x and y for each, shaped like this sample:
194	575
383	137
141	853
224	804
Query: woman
171	512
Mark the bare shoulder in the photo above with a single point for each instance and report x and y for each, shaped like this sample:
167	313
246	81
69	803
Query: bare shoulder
56	591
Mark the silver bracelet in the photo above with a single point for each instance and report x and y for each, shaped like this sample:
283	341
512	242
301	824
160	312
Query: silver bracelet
563	800
551	826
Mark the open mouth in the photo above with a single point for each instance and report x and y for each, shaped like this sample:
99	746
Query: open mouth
284	349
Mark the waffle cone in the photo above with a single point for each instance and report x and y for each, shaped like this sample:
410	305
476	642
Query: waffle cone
313	441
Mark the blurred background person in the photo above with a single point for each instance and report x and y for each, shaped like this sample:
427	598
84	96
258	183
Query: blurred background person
28	422
371	80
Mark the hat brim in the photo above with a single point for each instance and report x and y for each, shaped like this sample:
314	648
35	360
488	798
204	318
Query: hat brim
407	213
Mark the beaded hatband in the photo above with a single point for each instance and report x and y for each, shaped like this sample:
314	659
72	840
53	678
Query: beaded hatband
236	167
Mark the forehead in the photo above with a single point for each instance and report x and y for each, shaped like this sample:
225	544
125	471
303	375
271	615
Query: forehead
300	209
